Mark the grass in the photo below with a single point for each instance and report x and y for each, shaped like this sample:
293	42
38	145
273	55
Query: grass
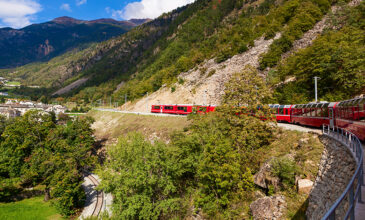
111	125
13	83
28	209
306	149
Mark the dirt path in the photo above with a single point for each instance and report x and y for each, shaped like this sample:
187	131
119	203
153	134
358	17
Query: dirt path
299	128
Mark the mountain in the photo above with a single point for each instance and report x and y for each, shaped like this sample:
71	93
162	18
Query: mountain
187	55
41	42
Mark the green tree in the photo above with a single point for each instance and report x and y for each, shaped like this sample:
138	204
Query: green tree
34	150
143	179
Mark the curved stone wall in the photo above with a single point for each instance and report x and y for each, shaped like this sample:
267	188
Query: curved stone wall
336	169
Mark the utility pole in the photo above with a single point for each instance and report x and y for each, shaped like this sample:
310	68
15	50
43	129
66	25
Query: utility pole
125	101
147	102
315	87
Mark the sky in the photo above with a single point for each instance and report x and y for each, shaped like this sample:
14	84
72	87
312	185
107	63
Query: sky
21	13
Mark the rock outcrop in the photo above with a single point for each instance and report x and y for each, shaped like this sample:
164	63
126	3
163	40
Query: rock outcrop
264	178
268	208
304	186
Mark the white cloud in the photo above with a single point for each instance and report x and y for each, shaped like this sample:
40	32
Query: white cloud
148	8
80	2
65	7
18	13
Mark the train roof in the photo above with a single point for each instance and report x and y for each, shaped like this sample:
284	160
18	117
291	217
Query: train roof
352	102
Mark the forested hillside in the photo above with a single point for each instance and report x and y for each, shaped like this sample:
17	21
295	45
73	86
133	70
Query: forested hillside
41	42
157	54
219	30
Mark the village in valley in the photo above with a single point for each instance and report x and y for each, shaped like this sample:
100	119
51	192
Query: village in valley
15	107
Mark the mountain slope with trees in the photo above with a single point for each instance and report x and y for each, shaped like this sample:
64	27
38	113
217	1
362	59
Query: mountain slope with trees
220	30
154	55
41	42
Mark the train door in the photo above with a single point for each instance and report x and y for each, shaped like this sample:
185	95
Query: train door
331	117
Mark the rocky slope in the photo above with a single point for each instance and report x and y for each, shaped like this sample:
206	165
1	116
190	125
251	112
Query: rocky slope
205	84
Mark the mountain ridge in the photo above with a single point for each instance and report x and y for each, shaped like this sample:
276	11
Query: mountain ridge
41	42
70	20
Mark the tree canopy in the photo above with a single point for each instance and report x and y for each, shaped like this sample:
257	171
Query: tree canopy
36	150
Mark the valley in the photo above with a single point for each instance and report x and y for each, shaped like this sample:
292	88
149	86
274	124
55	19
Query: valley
247	159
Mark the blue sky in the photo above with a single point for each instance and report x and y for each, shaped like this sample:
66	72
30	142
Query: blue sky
20	13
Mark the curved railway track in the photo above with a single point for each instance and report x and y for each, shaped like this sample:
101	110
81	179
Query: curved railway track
99	197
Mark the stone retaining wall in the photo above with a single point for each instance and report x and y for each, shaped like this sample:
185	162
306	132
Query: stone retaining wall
336	169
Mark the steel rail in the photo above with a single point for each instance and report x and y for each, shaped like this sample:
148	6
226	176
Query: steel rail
99	197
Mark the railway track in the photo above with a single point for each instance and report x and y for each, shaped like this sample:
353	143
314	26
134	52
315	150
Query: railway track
99	198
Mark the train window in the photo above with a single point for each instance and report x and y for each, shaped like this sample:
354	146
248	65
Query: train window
185	109
362	110
325	111
156	107
281	111
169	107
362	105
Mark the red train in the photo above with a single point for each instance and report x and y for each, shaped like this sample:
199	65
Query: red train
182	109
349	114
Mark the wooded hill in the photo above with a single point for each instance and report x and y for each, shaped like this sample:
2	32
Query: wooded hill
156	53
41	42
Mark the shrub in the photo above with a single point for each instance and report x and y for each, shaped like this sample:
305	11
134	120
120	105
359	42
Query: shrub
211	73
203	70
285	169
181	81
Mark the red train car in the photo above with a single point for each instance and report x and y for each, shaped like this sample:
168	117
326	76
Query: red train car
169	109
350	115
182	109
156	108
312	114
282	112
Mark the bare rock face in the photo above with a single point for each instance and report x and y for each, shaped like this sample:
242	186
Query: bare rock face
268	208
304	186
263	178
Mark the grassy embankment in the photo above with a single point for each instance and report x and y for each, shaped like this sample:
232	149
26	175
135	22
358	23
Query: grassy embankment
29	209
306	151
13	83
112	125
